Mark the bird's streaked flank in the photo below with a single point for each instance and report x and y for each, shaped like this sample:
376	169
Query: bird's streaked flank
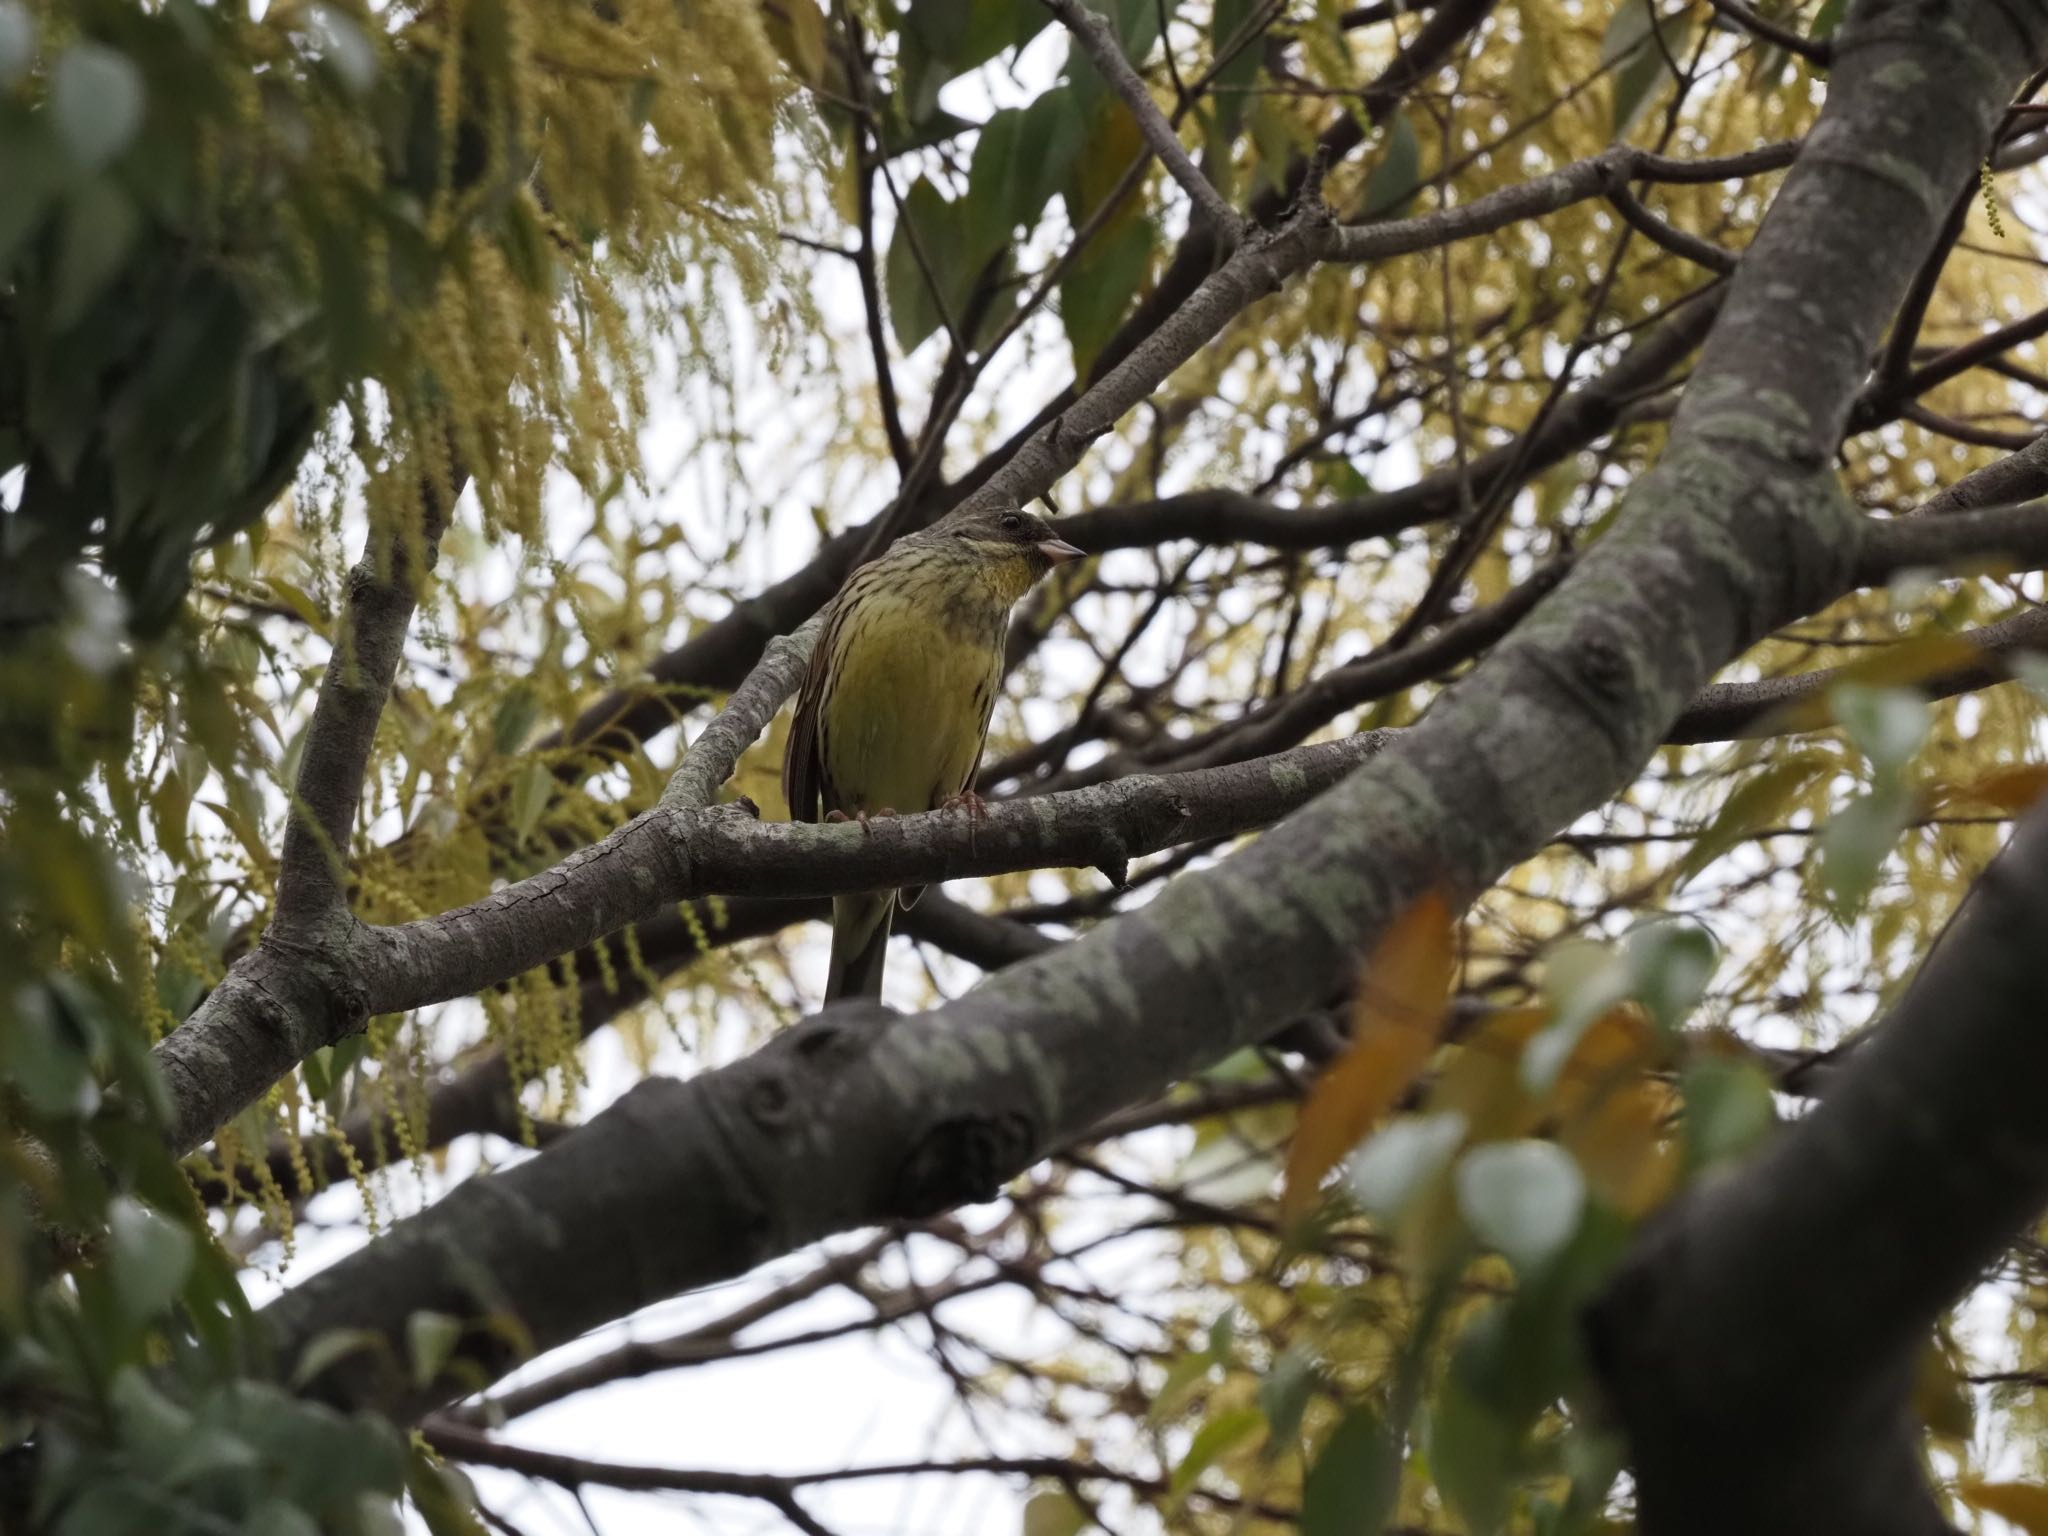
895	707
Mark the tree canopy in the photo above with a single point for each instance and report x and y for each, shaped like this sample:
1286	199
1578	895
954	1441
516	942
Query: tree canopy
1495	990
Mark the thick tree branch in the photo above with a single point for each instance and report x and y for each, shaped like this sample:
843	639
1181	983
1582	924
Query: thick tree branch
292	994
2019	478
1759	1344
669	856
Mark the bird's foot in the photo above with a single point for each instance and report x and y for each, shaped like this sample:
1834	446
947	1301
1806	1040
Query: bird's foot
967	800
837	816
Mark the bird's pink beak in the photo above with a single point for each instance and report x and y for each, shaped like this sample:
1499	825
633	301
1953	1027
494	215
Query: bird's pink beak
1058	551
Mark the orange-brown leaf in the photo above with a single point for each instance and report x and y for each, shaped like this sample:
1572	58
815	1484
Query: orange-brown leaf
2011	790
1396	1021
1621	1148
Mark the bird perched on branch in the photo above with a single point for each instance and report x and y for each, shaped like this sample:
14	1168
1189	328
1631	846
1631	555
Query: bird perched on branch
895	708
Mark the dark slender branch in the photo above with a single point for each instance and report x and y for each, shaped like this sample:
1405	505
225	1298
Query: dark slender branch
1703	253
1970	354
463	1444
1586	414
1897	357
1374	676
871	302
1813	50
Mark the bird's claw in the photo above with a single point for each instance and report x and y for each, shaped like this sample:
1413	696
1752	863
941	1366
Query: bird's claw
967	800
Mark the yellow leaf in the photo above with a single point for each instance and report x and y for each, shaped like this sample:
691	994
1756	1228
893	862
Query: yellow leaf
1762	797
1910	661
1481	1081
1620	1147
2024	1504
1395	1023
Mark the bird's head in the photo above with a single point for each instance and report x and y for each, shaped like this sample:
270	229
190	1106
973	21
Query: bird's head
1005	535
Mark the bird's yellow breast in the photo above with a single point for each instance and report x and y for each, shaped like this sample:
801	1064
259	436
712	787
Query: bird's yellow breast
902	726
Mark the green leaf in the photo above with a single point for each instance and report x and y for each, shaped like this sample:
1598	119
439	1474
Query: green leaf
99	226
1223	1337
1582	980
1758	802
1728	1109
345	48
1644	66
1889	724
1221	1435
1181	1376
148	1257
1350	1490
531	793
1473	1450
514	718
1227	91
1521	1198
32	170
1393	183
1051	1511
430	1338
206	1452
1670	962
45	1062
1284	1394
1097	292
943	39
1403	1160
930	226
1857	840
274	1517
1020	163
442	1496
96	98
1827	19
113	1508
327	1348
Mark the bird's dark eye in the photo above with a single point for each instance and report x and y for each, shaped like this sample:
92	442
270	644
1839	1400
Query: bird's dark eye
1011	522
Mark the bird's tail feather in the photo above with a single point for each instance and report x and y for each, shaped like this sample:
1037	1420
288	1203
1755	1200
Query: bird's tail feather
860	945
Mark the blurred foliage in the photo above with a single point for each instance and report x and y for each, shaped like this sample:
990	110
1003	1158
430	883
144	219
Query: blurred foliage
370	249
268	273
